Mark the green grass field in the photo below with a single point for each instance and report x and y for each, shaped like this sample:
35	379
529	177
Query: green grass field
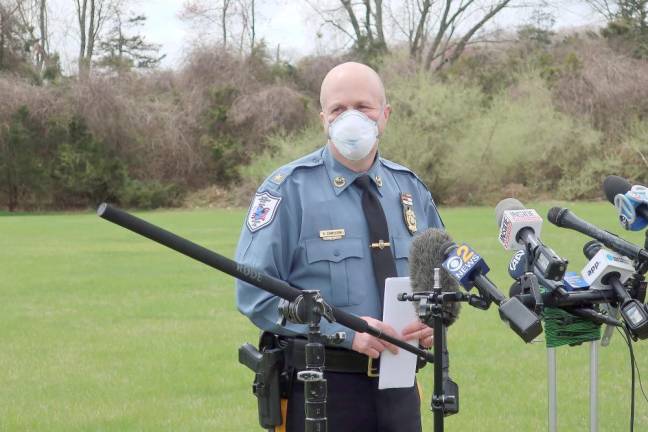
101	329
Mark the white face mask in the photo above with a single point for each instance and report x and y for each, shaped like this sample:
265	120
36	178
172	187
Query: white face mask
353	134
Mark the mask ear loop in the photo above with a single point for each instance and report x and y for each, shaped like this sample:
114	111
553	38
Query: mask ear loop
382	113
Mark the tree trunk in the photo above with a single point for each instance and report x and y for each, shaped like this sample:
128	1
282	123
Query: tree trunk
226	4
353	19
81	15
368	29
443	26
253	27
42	22
2	38
461	46
378	18
416	45
91	32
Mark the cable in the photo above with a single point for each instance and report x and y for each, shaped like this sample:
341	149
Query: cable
636	366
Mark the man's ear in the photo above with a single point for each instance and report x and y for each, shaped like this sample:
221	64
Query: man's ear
387	112
382	123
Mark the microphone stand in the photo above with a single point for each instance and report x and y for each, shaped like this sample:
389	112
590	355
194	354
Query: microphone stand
445	399
309	308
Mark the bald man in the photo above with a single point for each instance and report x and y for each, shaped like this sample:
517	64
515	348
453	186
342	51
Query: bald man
340	220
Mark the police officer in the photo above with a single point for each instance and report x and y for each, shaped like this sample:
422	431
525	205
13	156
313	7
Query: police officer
340	220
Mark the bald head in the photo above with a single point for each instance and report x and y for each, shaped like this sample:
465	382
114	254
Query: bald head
352	76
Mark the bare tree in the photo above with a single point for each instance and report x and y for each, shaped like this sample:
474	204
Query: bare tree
437	31
91	16
216	13
605	8
365	18
29	21
233	20
412	19
445	46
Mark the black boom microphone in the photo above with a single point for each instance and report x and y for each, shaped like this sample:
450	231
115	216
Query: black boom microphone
565	218
240	271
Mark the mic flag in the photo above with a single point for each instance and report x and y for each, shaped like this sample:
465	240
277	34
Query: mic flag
517	265
631	202
462	262
512	217
603	265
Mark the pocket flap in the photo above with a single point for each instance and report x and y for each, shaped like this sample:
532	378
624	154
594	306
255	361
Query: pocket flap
402	246
333	250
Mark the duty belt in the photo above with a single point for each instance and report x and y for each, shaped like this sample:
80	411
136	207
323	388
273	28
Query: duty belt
336	359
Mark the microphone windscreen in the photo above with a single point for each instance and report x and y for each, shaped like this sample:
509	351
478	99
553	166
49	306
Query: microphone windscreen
614	185
505	205
427	252
591	248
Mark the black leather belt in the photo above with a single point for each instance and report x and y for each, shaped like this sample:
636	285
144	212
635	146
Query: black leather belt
336	359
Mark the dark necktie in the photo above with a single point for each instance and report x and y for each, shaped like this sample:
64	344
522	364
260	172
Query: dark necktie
381	255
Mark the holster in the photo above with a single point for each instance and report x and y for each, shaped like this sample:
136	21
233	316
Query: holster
270	379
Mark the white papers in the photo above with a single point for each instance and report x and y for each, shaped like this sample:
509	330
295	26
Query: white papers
397	370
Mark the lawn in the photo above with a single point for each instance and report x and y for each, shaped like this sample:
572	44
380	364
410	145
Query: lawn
101	329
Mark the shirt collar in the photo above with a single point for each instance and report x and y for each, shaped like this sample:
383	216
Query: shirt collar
342	177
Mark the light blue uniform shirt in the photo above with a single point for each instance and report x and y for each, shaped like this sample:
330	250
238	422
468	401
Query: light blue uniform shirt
282	236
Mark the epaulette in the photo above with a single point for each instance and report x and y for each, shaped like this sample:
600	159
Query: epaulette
276	179
397	167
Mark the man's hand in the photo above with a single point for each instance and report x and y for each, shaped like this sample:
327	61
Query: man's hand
372	346
418	330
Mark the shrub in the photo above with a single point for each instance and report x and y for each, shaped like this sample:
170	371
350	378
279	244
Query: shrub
23	164
84	170
150	194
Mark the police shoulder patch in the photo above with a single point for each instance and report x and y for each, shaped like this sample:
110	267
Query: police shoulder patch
262	211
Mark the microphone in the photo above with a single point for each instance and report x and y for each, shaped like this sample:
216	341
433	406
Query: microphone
469	269
630	202
612	272
571	281
518	264
604	265
565	218
426	254
520	229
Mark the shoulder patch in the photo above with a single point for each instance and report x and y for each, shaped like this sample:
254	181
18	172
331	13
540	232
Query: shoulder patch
262	211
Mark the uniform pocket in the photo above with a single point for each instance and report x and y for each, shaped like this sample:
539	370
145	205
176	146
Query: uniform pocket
341	256
401	254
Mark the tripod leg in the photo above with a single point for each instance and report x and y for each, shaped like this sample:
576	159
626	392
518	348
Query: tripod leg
594	353
553	392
